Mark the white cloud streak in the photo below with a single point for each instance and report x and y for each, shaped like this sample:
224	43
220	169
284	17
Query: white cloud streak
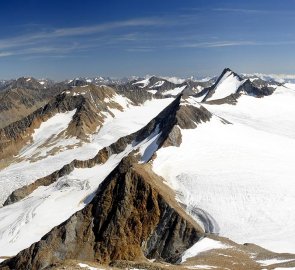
241	10
41	37
4	54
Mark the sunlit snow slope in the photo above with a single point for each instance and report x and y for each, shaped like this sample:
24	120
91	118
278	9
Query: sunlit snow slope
26	221
227	85
22	173
242	173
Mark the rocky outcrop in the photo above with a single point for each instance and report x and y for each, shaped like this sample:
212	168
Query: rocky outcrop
252	90
130	218
137	96
189	116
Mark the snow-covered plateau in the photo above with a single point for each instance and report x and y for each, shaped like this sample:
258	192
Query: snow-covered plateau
241	173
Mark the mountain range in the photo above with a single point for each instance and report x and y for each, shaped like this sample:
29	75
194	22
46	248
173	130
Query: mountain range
147	173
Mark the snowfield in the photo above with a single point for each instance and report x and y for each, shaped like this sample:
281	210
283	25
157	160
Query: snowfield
228	85
124	123
242	174
175	91
26	221
48	133
203	245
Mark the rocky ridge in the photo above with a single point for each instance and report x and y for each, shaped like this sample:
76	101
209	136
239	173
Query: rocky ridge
155	213
92	104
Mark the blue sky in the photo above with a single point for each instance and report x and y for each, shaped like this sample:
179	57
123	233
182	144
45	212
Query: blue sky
64	39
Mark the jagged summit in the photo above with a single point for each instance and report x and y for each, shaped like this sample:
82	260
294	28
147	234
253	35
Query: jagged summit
229	86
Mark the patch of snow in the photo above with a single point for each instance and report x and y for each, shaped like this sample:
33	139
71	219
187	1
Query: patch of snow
228	85
205	244
53	126
202	266
175	91
193	101
144	83
157	84
153	91
206	79
284	268
149	146
49	129
89	267
199	88
274	261
174	80
122	101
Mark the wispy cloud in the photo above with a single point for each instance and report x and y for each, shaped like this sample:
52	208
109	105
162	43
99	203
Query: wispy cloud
217	44
124	35
86	30
44	36
4	54
242	10
140	49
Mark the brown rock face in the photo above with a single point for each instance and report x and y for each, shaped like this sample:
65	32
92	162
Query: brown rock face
89	103
130	218
21	97
189	116
15	135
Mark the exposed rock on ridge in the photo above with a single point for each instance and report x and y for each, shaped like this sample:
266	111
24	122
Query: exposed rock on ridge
87	119
169	121
128	219
19	98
